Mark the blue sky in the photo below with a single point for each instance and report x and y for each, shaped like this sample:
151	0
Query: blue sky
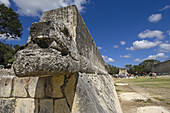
125	31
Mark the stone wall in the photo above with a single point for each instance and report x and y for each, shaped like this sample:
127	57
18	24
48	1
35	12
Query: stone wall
37	94
59	70
162	68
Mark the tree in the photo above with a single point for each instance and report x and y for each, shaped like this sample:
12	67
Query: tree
7	54
113	69
10	26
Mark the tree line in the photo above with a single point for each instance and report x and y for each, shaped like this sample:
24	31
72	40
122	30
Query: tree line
145	66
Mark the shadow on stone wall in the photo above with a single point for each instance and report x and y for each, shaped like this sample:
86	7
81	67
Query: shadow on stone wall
55	94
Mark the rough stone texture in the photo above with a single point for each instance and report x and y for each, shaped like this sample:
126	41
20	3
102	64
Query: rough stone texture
95	94
163	67
61	106
26	106
7	72
46	106
59	35
5	86
54	84
20	87
7	105
36	87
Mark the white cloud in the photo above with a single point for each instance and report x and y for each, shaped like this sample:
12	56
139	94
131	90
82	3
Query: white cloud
144	44
6	2
166	7
122	42
151	34
115	46
126	56
127	48
164	47
35	7
99	47
2	37
108	60
138	60
155	17
158	56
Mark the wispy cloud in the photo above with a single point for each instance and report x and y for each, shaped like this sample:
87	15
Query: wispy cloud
155	17
144	44
122	42
126	56
99	48
164	47
6	2
159	56
166	7
107	59
35	7
151	34
115	46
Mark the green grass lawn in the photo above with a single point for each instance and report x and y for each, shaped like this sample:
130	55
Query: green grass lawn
160	81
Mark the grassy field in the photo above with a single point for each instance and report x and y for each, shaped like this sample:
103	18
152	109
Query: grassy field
156	90
160	81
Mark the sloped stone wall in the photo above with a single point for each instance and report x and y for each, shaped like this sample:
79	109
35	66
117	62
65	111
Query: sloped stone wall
59	70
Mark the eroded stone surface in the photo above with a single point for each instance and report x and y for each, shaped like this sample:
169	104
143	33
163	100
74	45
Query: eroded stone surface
26	106
5	86
61	106
36	87
46	106
7	105
95	94
20	87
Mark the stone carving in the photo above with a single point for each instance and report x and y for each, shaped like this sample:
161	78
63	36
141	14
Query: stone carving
59	70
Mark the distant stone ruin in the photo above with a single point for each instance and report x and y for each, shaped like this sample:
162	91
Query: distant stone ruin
59	70
123	71
162	67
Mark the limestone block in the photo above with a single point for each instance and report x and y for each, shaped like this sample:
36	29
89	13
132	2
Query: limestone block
26	105
46	105
20	87
7	105
54	84
61	106
69	89
5	86
36	87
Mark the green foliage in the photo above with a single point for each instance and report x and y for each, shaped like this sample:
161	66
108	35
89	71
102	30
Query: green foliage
10	25
7	54
145	66
113	69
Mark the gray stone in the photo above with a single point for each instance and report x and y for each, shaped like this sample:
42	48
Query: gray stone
46	106
20	87
26	106
7	105
95	94
58	46
5	86
162	68
36	87
61	106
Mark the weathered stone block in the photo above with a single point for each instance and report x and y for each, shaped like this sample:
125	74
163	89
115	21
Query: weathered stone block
54	84
7	105
70	87
36	87
20	87
61	106
5	86
26	105
46	105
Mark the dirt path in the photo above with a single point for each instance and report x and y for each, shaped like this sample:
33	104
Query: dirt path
142	99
